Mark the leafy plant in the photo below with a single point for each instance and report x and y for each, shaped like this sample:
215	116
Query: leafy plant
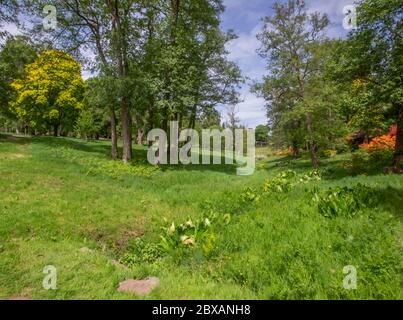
313	175
192	233
374	155
250	195
363	161
344	201
381	143
140	251
280	183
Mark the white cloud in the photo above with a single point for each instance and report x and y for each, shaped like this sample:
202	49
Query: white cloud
243	52
334	10
11	28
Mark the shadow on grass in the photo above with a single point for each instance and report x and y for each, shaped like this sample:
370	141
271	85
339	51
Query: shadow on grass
332	168
16	139
96	147
222	168
391	199
139	153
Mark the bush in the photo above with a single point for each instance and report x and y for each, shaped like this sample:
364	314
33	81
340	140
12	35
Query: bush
198	233
86	126
250	195
280	183
382	143
313	175
344	201
142	252
369	159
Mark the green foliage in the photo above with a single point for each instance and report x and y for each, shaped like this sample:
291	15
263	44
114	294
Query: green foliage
363	161
250	195
140	251
262	133
301	99
326	153
85	125
268	249
313	175
119	170
15	54
280	183
192	233
101	165
51	92
344	201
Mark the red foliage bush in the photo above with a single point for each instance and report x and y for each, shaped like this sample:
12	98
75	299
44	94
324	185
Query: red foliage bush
385	142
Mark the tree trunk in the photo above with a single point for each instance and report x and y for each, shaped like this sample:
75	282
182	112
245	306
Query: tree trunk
123	65
295	150
314	157
151	120
167	130
312	143
399	138
55	130
140	135
114	136
126	121
192	120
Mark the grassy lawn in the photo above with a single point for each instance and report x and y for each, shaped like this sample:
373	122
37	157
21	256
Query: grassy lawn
58	195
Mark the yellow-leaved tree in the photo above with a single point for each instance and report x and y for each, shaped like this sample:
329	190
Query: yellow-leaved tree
50	95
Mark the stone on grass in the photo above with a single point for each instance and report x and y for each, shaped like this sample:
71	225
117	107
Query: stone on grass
139	287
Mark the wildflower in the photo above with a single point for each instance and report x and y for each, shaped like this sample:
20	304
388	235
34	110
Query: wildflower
189	224
171	229
187	240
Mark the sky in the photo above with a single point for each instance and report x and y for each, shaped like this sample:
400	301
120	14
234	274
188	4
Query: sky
244	17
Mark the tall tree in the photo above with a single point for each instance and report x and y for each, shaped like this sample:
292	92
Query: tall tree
290	41
109	30
15	54
102	93
376	56
50	94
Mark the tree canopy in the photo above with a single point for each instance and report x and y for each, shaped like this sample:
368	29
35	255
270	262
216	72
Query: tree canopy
50	93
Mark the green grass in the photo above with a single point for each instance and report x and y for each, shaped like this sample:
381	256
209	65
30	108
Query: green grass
58	195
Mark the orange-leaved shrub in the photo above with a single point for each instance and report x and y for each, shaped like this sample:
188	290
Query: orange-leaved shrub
384	142
376	154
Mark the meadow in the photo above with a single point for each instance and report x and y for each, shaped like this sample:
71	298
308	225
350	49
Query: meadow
205	232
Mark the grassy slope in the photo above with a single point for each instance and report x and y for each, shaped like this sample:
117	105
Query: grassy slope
54	201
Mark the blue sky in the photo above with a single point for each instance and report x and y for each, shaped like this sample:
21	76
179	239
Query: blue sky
244	17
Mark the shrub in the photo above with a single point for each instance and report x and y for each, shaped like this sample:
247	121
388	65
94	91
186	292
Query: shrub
313	175
142	252
198	233
374	155
250	195
86	126
344	201
280	183
382	143
364	161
